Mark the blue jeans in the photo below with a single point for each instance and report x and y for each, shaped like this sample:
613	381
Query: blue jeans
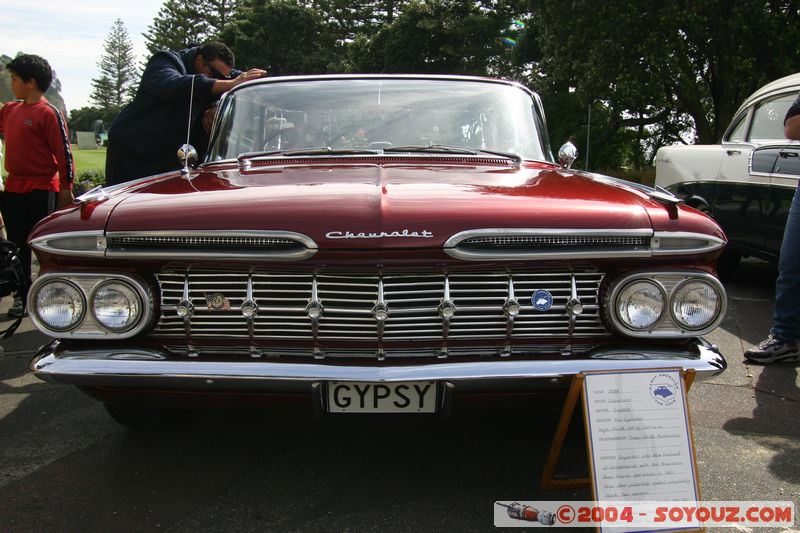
786	316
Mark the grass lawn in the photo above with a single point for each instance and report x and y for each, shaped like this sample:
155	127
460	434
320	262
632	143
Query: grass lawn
89	159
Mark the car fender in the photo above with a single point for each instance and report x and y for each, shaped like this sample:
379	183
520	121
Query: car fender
678	165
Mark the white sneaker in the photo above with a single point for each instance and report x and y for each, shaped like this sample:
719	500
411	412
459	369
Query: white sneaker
17	309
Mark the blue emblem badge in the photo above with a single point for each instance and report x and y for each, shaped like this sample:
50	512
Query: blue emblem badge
542	300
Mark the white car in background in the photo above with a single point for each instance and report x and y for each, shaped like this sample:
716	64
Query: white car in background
746	182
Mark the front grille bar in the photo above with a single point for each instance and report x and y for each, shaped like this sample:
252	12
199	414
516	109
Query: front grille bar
266	309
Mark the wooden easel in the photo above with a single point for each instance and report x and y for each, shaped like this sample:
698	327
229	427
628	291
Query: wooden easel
547	482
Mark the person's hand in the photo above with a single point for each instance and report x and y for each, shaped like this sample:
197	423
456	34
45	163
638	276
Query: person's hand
221	86
252	74
65	198
208	117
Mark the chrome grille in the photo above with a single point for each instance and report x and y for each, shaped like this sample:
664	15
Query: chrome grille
681	243
348	301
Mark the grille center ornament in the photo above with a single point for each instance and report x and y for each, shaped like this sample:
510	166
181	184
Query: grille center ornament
542	300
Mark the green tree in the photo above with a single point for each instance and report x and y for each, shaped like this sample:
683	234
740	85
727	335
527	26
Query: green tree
217	14
441	36
177	24
116	84
281	37
349	18
656	67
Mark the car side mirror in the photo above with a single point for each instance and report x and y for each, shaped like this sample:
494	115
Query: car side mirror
567	154
188	156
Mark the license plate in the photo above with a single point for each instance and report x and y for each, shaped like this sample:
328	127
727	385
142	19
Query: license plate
359	397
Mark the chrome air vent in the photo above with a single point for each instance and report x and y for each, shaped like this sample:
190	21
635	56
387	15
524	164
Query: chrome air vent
548	244
554	241
275	245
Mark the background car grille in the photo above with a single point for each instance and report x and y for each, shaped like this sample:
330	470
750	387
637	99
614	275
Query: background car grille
349	299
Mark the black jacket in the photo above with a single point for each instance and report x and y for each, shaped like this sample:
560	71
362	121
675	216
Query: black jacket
144	138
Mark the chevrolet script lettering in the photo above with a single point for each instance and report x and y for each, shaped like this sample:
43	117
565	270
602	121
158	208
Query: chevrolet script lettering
424	234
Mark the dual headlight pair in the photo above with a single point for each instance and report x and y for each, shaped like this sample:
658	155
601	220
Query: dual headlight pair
666	304
89	305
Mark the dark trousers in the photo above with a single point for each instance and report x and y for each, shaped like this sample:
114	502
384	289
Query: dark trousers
786	314
21	212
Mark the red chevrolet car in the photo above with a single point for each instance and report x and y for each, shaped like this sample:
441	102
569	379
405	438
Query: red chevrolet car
378	243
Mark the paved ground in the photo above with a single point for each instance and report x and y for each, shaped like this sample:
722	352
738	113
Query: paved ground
65	466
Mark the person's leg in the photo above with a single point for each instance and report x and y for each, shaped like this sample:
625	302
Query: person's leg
782	344
22	212
786	316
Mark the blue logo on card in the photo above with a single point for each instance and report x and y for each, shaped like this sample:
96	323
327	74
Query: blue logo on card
542	300
663	389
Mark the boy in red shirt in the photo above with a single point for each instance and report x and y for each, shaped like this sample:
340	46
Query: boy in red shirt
38	157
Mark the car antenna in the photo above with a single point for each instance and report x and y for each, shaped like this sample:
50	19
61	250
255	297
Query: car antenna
187	151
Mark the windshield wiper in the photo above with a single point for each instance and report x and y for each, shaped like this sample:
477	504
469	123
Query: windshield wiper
318	150
449	149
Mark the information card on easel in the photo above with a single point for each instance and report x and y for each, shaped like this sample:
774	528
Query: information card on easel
639	436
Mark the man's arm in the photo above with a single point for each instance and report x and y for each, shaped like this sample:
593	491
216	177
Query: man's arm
221	86
791	124
791	128
163	79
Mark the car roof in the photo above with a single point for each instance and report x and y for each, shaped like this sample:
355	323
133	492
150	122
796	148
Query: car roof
787	83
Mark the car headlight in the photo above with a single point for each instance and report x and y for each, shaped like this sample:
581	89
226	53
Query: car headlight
59	305
640	304
695	304
116	306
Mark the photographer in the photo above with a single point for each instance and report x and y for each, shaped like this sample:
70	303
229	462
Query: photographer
145	136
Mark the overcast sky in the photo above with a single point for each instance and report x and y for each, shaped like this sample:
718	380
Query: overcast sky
70	35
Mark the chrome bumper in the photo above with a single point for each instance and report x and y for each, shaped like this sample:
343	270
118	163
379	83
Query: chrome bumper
135	367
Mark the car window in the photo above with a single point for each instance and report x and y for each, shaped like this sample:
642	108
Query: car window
768	118
737	134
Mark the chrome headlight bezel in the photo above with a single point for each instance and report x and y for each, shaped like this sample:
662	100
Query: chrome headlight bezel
88	283
659	289
36	316
668	326
673	302
93	301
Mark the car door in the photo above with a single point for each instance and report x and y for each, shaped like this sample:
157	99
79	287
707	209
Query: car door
783	184
740	196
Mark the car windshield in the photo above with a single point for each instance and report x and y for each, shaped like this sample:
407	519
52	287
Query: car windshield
349	116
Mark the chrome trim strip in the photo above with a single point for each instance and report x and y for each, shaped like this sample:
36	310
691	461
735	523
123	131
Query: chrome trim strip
42	243
151	368
93	330
451	245
274	255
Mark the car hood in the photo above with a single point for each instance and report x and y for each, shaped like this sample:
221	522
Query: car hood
378	206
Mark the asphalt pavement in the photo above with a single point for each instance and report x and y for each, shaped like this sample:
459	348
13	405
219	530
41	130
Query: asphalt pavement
66	466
